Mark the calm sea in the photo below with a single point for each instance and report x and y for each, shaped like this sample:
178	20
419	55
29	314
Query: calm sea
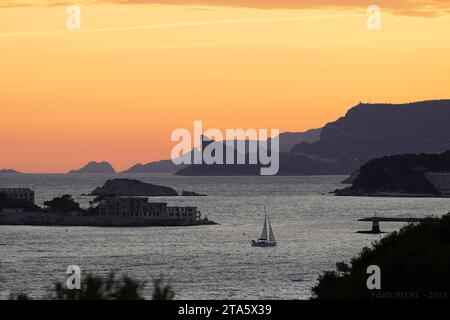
314	230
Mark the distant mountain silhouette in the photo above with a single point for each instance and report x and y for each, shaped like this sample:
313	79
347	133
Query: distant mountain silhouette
95	167
369	131
287	141
9	171
290	165
290	139
366	132
161	166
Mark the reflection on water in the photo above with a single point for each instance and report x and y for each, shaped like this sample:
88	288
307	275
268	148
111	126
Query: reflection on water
314	229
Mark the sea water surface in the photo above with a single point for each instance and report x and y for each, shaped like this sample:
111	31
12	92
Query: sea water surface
314	230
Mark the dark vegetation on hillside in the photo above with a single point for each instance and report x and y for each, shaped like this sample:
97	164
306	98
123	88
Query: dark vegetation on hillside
415	259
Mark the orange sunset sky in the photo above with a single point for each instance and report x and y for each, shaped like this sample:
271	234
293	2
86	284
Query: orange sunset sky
136	70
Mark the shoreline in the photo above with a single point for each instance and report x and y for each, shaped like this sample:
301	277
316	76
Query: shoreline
77	219
211	223
387	194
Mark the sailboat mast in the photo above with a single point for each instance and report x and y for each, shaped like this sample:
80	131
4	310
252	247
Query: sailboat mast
264	231
271	235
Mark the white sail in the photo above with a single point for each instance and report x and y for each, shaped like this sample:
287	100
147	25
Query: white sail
263	241
271	236
264	231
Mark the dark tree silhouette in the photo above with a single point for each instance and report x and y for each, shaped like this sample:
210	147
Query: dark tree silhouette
161	291
64	203
95	287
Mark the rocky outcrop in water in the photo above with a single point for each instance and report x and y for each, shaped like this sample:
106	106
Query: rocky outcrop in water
9	171
95	167
130	187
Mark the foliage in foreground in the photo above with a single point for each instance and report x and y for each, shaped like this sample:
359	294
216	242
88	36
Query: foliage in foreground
94	287
415	259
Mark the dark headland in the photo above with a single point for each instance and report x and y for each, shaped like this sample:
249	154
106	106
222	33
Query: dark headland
408	175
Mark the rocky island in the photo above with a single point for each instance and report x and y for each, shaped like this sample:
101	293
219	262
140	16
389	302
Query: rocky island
408	175
95	167
9	171
131	187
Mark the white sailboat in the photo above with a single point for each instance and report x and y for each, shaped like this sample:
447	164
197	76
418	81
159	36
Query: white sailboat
265	241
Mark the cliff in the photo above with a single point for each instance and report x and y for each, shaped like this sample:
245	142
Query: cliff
369	131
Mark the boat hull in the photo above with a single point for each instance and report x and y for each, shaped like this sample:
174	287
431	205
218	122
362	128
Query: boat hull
263	244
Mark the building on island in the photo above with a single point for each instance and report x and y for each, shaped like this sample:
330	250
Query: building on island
24	194
111	212
183	212
140	208
130	207
440	180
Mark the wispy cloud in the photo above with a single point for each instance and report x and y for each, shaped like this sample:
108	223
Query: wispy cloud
175	25
425	8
